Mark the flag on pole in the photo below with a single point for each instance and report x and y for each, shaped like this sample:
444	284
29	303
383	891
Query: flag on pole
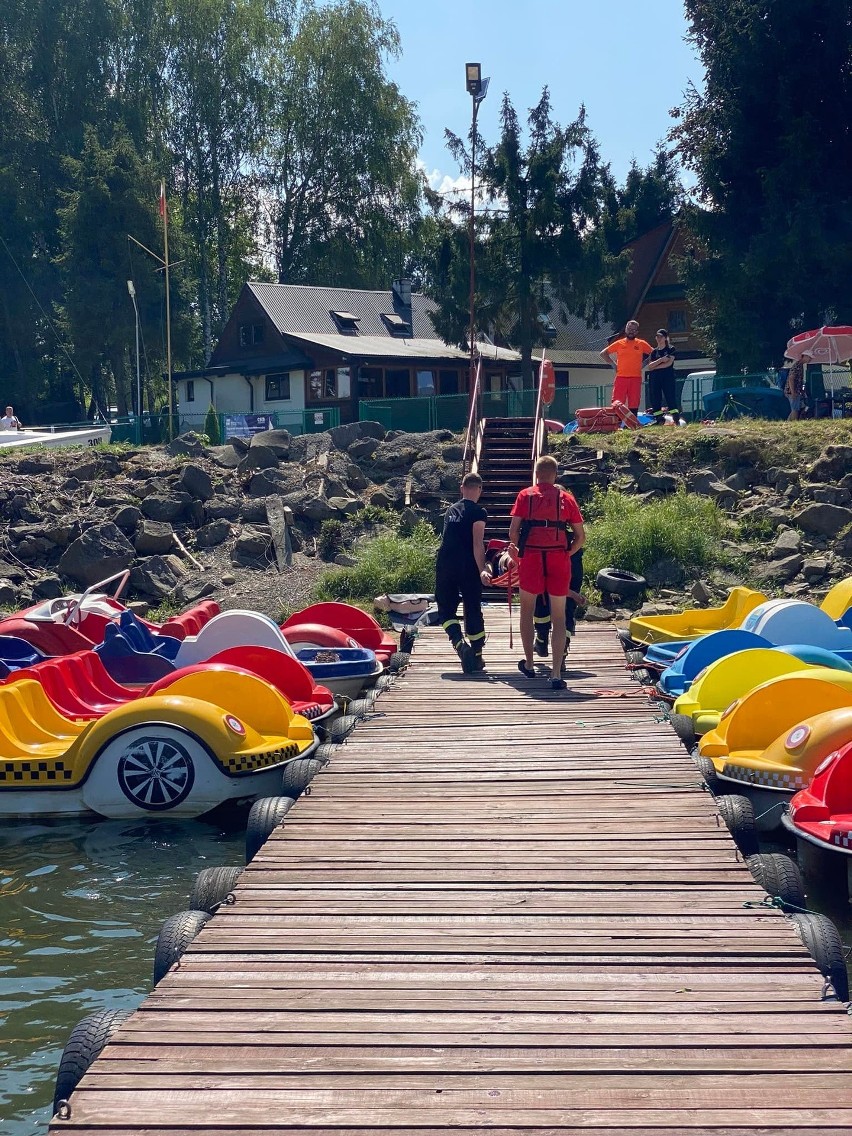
162	199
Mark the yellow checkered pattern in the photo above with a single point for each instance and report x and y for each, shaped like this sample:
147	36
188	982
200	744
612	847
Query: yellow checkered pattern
252	762
33	772
771	779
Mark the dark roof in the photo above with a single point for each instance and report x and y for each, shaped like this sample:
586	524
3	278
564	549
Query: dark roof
647	252
290	360
572	333
304	310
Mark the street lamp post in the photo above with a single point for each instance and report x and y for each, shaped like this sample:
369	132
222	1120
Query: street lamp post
477	88
132	290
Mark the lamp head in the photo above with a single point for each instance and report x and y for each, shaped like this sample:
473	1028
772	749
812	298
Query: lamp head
473	78
130	288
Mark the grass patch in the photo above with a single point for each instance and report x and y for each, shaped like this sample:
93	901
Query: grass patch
386	563
627	532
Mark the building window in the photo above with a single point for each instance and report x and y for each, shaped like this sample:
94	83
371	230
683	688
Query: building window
449	382
677	322
370	382
251	334
398	383
190	390
347	323
330	383
396	325
426	383
278	387
562	378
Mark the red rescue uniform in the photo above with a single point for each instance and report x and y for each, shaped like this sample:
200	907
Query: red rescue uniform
545	563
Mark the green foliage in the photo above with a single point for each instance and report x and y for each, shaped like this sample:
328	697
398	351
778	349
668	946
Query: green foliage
544	248
386	563
330	542
631	533
372	515
771	245
211	426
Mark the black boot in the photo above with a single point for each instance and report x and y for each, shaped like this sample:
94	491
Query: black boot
467	655
540	646
478	661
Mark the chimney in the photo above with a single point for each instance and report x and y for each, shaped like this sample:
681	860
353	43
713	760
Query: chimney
402	292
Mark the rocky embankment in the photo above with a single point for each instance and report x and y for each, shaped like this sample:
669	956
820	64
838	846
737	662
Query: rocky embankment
191	520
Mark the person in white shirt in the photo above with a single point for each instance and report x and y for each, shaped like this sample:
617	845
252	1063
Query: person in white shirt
9	421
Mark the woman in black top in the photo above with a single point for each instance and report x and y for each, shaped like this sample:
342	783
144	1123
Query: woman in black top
661	380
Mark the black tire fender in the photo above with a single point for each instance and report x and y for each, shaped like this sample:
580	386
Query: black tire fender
822	940
684	727
340	729
325	752
738	814
85	1042
298	774
175	935
264	817
359	707
212	886
708	773
779	877
619	582
398	661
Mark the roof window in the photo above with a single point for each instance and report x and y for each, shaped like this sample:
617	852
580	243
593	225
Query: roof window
395	324
347	324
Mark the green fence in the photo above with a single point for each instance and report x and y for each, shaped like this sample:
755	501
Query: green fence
450	411
154	428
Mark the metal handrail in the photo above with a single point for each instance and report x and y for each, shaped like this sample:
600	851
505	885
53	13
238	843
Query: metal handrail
471	418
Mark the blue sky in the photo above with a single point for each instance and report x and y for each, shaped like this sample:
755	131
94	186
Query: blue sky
627	61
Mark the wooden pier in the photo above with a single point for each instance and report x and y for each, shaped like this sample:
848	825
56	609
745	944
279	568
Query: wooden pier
500	908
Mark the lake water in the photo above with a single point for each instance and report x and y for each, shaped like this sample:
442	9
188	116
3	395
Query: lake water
81	905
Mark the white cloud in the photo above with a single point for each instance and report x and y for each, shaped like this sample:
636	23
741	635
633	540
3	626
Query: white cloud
443	183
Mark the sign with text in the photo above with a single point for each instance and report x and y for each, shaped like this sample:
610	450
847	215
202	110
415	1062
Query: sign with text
244	425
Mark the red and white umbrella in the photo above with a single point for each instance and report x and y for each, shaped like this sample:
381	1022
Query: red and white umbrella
824	345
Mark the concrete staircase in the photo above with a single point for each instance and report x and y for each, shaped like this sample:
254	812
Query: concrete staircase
505	466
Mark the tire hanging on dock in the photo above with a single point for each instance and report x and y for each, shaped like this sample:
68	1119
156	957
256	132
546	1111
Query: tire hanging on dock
84	1044
708	773
298	774
212	886
738	814
822	940
684	727
264	817
779	877
176	934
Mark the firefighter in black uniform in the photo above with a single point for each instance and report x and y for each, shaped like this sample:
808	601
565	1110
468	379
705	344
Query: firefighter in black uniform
461	571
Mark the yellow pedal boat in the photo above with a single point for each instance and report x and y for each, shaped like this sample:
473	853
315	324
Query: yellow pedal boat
692	622
211	738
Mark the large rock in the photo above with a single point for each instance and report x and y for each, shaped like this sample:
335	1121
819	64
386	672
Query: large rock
188	444
363	449
8	593
781	570
156	576
252	548
196	482
153	538
829	494
226	457
815	568
193	589
833	463
347	505
823	519
99	552
658	483
372	430
707	484
343	436
278	441
127	518
47	588
304	503
275	482
258	457
213	534
165	506
787	542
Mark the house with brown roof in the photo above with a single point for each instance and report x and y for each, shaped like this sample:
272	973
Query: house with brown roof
292	350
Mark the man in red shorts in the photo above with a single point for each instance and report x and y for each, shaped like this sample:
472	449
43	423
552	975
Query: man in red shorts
546	528
628	356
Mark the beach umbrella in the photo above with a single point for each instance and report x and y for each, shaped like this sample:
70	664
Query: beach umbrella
822	345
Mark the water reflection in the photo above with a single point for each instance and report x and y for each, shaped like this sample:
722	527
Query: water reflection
81	904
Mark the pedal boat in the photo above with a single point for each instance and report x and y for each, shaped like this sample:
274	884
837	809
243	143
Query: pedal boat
768	744
820	818
689	624
211	739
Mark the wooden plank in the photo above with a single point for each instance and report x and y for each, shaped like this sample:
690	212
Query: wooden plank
521	913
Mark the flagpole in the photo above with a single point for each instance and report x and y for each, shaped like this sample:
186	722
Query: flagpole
165	212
